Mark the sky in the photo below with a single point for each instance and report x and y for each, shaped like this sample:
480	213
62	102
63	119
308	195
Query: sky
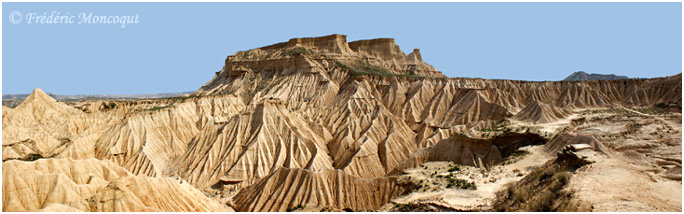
177	47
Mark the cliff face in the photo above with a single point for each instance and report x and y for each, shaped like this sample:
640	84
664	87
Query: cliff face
316	56
317	117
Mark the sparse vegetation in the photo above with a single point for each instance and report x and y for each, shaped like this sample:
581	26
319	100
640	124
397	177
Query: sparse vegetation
660	109
460	183
183	98
367	69
578	121
616	111
299	50
406	207
501	128
669	107
298	207
159	107
454	168
596	119
632	128
108	105
537	192
327	209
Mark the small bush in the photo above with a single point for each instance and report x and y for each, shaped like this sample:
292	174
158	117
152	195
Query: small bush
567	206
454	168
545	174
298	207
541	202
563	177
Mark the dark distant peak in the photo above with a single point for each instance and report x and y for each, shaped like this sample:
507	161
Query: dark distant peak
582	76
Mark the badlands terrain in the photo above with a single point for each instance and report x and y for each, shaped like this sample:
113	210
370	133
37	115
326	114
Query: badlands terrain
323	124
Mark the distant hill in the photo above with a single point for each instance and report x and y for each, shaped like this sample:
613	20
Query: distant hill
581	76
110	96
12	100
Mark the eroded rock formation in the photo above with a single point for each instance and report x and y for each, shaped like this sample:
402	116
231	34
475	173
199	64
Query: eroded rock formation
94	185
537	112
312	120
288	188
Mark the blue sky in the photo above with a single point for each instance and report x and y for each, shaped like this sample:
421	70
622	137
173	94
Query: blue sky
178	46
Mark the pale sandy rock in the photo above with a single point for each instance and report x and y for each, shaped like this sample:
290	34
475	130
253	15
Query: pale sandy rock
610	185
140	135
252	145
537	112
368	141
144	142
288	188
33	185
94	185
39	125
53	207
144	194
563	139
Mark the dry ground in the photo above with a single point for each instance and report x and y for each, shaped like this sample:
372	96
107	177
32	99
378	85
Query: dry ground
641	170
